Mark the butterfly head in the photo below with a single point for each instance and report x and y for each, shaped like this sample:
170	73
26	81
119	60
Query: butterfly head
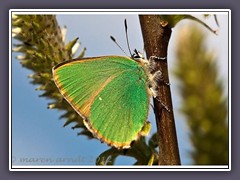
138	56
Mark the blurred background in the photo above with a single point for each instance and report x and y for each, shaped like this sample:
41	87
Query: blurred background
38	136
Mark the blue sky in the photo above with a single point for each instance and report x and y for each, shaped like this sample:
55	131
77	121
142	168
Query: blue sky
38	136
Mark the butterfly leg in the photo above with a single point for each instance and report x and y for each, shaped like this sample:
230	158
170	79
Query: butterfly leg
156	78
153	86
156	96
162	104
157	74
153	61
159	78
157	58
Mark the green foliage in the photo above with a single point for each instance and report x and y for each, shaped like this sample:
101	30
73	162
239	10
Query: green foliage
203	101
42	44
144	153
172	20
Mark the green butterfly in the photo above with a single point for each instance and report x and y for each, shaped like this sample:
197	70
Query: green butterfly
111	94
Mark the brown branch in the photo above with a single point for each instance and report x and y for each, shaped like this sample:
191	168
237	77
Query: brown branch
156	35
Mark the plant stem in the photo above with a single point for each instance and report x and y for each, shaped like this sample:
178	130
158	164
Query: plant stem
156	35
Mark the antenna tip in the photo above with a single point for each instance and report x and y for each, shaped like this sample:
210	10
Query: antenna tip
125	23
112	38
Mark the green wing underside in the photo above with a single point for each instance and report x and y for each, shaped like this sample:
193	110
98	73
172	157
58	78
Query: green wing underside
110	92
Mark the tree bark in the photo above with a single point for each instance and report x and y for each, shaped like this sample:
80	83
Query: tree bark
156	35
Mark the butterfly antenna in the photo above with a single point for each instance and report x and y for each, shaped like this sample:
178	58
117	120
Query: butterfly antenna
125	23
114	40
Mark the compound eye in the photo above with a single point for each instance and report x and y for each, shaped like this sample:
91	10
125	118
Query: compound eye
137	55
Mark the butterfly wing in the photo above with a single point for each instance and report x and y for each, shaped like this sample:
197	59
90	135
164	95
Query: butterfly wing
109	92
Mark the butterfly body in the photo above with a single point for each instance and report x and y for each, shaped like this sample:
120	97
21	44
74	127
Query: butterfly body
111	93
